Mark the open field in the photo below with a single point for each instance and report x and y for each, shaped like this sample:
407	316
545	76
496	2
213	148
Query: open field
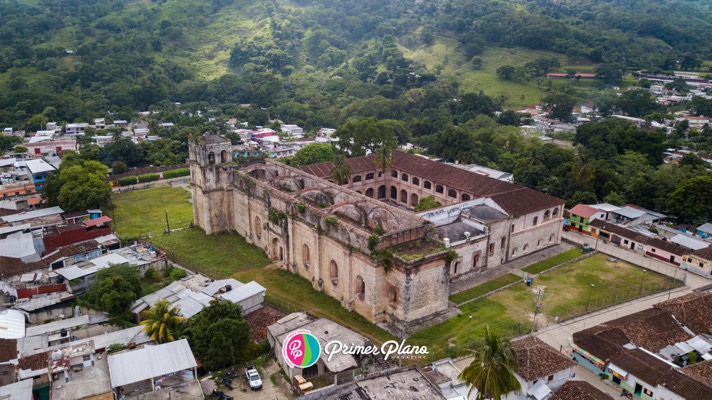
225	255
563	293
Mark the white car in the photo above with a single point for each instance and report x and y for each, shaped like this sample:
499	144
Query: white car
253	378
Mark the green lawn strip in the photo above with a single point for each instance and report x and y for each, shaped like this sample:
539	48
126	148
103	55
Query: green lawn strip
290	292
143	211
551	262
484	288
458	334
218	256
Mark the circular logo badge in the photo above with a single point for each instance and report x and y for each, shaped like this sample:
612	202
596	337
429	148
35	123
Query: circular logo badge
301	349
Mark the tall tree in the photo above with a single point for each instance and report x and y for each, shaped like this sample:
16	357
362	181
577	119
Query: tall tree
692	200
384	158
219	335
161	321
312	154
340	172
492	371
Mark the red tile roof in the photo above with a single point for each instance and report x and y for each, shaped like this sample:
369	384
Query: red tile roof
692	310
10	267
514	199
538	360
701	371
35	362
97	221
685	386
582	210
579	390
8	350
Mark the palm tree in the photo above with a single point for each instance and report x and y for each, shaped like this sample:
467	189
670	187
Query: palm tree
341	172
492	370
162	322
584	168
384	158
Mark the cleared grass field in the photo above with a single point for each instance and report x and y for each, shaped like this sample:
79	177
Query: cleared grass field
551	262
563	293
484	288
225	255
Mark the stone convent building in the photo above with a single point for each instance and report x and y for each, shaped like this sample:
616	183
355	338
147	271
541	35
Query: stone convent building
362	243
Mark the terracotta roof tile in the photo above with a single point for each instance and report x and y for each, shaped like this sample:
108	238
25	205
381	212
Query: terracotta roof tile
10	266
514	199
668	246
655	332
641	365
701	371
8	350
71	250
536	359
35	362
692	310
582	210
579	390
685	386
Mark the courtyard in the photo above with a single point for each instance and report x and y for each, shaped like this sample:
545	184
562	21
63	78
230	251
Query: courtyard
589	284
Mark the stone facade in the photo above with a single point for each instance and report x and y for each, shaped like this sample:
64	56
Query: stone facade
356	242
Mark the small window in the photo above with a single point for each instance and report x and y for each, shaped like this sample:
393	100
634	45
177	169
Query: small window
305	253
394	173
702	265
512	228
258	226
416	181
475	260
427	185
455	266
360	288
538	243
369	176
491	249
625	241
452	193
551	378
392	295
439	188
536	221
502	242
357	178
334	273
525	248
689	259
653	250
556	211
404	177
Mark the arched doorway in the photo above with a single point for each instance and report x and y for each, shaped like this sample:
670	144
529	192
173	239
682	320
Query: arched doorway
382	192
277	250
369	192
404	197
413	199
394	193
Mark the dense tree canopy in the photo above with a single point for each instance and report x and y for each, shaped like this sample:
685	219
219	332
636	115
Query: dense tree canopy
219	334
79	184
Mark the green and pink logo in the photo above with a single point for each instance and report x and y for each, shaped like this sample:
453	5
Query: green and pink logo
301	349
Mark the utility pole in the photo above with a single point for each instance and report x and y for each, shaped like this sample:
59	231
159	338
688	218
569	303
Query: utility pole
168	225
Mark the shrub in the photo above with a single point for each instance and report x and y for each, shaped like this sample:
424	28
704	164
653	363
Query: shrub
119	167
113	348
331	220
128	180
427	203
173	273
301	207
152	275
147	178
373	241
176	173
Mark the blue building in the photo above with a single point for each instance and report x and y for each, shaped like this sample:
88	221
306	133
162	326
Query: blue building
39	170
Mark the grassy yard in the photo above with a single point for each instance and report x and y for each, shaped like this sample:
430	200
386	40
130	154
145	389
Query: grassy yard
225	255
563	293
484	288
140	212
551	262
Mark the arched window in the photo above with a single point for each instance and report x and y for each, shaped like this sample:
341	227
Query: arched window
526	247
547	215
392	295
465	197
380	174
258	226
404	177
413	199
394	193
211	158
536	221
455	266
404	197
452	193
357	178
334	273
382	192
360	288
551	238
416	181
514	252
439	188
305	255
369	176
223	156
512	228
475	259
394	173
556	211
427	185
369	192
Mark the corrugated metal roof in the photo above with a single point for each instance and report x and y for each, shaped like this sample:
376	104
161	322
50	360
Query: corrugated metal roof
689	242
214	287
21	390
12	324
150	362
243	292
43	212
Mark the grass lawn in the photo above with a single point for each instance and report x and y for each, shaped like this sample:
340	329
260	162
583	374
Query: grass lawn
563	293
140	212
484	288
223	255
551	262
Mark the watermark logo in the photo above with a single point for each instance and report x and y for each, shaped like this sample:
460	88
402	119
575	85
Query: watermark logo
301	349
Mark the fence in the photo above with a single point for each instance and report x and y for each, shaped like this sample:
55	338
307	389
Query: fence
177	181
